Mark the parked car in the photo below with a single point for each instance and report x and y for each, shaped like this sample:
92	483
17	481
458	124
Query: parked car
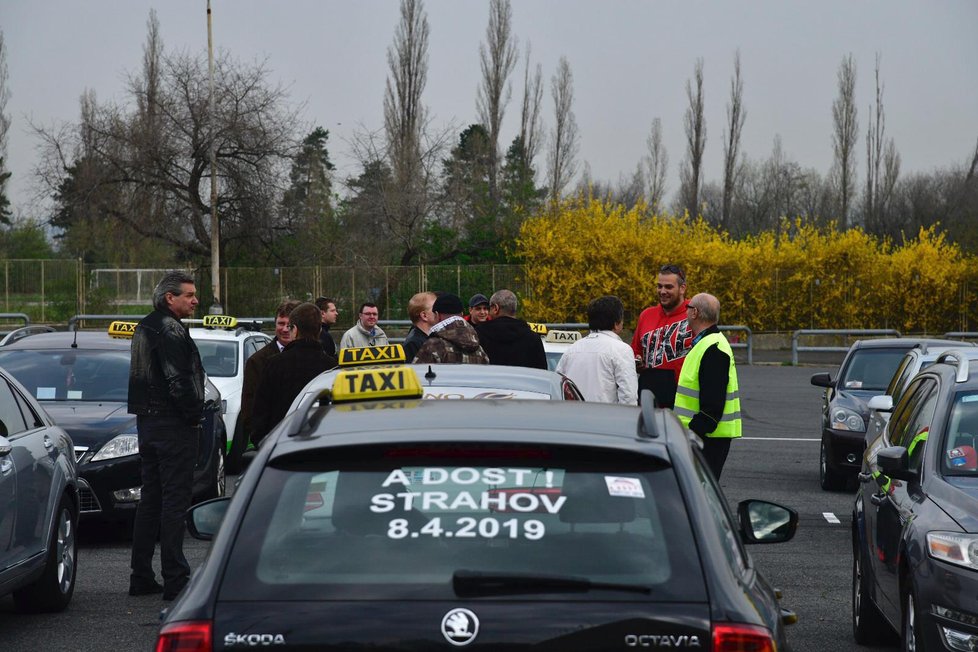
38	503
82	380
865	371
371	519
915	517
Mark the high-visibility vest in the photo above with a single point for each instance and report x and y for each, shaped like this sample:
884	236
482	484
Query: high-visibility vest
688	392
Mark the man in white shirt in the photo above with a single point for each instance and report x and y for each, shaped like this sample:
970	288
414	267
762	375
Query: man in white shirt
601	364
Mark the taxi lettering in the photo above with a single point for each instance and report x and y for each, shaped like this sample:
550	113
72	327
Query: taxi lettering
376	381
540	329
371	354
220	321
122	329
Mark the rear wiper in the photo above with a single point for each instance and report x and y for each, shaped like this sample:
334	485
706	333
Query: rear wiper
468	583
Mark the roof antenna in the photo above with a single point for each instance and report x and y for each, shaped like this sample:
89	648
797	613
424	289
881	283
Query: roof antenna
431	375
74	341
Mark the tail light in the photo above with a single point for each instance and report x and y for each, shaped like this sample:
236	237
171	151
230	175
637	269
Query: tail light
741	638
187	636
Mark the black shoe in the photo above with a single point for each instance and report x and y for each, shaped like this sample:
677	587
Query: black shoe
143	587
172	593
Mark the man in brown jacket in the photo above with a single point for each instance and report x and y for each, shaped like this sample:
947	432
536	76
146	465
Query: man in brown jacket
452	339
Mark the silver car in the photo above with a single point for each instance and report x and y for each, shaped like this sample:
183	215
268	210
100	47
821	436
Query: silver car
38	504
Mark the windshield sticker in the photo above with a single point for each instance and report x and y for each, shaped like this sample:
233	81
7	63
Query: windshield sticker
624	487
970	398
74	395
438	489
854	384
45	393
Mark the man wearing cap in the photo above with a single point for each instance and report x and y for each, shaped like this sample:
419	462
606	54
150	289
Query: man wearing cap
478	309
508	340
451	339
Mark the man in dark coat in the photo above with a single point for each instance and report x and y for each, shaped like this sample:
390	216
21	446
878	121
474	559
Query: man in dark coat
254	367
452	339
288	372
330	313
508	340
422	316
166	393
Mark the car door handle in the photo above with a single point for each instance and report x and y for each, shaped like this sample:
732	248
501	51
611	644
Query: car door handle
864	476
878	499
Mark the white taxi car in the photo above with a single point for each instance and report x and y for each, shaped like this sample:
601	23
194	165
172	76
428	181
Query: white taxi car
225	344
555	342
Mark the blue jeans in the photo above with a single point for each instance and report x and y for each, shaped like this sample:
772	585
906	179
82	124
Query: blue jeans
168	452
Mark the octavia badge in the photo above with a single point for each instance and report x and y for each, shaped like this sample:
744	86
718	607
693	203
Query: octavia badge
460	626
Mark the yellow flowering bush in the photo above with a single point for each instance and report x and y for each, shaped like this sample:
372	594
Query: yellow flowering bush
803	276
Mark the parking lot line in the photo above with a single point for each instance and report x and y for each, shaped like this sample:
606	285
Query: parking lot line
831	518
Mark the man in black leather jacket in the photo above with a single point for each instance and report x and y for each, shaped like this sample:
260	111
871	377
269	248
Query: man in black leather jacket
166	393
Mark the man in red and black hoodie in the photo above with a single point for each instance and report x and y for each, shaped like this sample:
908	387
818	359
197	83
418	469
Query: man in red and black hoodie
663	338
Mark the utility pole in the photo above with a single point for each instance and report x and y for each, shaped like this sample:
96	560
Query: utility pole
215	225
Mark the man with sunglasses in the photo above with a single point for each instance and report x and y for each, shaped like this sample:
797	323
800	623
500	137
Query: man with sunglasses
663	338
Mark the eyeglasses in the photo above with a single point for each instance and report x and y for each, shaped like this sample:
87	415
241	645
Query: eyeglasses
370	314
673	269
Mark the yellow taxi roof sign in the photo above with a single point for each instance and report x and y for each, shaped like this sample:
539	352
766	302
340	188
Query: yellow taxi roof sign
376	384
122	329
386	354
540	329
220	321
563	336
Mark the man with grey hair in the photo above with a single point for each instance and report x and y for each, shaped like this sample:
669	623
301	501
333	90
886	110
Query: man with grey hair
166	393
508	340
707	398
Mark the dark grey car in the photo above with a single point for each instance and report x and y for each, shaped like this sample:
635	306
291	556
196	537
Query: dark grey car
38	504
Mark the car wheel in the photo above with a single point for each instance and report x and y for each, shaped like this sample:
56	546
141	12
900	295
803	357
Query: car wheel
829	480
53	589
909	640
218	481
868	625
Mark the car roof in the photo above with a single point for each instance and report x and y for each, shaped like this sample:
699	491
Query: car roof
905	343
492	421
468	375
224	334
65	339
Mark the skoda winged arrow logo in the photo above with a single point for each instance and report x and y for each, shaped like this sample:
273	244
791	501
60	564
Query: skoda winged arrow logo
460	627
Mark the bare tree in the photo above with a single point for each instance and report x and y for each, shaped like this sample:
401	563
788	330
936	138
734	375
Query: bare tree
656	164
695	124
146	162
531	124
4	126
561	158
406	200
882	164
736	114
844	135
498	58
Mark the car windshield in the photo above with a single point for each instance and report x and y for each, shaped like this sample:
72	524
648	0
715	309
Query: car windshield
70	374
220	358
871	369
961	442
409	523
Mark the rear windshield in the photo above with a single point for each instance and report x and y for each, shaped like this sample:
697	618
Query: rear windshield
871	369
70	374
404	523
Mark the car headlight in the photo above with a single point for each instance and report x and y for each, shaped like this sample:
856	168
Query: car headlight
118	446
846	419
954	548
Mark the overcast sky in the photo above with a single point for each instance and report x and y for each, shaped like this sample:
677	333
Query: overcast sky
630	59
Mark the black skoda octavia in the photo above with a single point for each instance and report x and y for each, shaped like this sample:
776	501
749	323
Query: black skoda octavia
384	525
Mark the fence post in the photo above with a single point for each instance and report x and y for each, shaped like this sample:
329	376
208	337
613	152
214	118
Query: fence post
43	301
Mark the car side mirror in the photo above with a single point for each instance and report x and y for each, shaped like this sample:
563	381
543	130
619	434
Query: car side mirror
893	461
764	522
204	519
823	380
882	403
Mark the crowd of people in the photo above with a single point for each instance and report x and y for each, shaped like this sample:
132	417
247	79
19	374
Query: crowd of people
677	353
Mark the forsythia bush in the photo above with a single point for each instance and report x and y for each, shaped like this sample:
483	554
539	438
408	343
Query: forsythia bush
803	276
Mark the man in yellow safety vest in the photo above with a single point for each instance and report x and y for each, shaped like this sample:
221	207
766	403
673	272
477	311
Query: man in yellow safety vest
707	398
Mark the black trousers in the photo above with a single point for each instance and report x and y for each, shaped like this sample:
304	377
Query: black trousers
715	450
168	452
